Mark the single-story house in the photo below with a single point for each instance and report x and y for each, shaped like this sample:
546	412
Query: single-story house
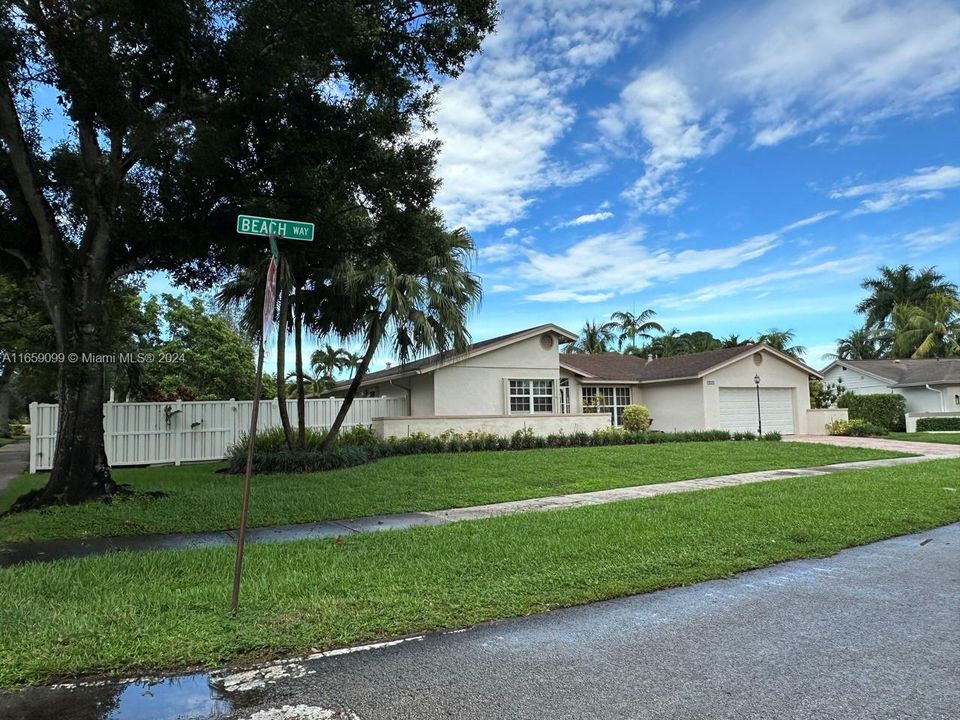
522	380
929	386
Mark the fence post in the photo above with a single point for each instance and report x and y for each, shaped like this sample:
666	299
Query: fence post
34	440
233	439
178	433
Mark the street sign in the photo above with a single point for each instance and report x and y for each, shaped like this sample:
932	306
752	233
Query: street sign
289	229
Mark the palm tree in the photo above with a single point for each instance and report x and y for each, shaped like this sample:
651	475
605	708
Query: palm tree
900	286
416	312
733	341
328	360
631	326
594	338
780	340
860	344
930	331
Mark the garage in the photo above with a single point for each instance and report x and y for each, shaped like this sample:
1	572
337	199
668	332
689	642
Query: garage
738	410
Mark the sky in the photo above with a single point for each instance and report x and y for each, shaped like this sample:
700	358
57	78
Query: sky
733	166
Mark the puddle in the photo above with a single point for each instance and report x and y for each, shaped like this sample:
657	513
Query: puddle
186	697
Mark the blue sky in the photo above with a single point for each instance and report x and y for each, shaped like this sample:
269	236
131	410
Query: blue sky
734	166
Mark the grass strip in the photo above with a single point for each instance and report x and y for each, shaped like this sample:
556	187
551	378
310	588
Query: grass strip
947	438
198	499
170	609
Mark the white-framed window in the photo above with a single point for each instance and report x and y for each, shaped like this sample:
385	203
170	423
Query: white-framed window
531	396
606	399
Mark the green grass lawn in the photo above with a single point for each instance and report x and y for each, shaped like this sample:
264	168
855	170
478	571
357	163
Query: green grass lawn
7	440
143	611
200	499
949	438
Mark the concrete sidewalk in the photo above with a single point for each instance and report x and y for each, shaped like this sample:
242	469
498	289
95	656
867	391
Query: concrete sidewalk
51	550
14	460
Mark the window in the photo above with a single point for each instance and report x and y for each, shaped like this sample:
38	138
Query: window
607	399
531	396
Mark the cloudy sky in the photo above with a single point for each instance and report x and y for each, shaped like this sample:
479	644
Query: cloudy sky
734	166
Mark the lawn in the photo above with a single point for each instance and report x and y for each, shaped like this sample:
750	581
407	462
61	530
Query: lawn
7	440
142	611
948	438
199	499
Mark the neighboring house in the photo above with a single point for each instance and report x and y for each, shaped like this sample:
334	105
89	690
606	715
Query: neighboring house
522	380
929	385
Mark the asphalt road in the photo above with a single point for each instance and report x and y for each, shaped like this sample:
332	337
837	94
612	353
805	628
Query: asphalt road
873	632
14	460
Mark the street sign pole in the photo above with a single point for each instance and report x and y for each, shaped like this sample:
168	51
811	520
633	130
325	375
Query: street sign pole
269	297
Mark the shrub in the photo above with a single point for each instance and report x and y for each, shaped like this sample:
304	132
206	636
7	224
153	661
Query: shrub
16	428
938	423
636	418
855	428
772	436
883	409
272	455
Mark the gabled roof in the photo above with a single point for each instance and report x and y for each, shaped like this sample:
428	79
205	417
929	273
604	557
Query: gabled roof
614	366
905	373
438	360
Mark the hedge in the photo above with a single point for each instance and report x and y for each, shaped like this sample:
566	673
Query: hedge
928	424
361	447
883	409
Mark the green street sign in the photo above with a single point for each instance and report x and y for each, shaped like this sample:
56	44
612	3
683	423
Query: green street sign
290	229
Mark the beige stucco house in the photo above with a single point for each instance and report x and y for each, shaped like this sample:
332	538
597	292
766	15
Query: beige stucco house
523	380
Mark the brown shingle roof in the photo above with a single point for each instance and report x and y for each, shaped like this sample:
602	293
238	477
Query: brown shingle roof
931	371
614	366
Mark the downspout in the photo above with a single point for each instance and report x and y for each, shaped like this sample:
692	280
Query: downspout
938	392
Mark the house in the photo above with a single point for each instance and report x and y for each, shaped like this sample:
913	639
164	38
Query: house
523	380
929	385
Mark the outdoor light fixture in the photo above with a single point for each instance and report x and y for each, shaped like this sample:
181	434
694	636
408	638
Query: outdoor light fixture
756	381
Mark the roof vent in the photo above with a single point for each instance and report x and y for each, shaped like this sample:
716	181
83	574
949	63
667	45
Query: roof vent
897	361
649	358
388	365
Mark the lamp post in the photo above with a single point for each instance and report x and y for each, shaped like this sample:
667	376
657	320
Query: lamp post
756	381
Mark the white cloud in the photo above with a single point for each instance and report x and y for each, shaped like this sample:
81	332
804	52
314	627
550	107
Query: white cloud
500	120
769	279
929	238
812	220
607	264
498	252
511	232
803	66
925	183
657	110
587	219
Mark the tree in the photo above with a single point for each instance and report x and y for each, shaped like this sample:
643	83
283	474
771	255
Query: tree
202	356
630	326
733	340
900	286
594	338
860	344
180	113
780	340
929	331
327	361
416	312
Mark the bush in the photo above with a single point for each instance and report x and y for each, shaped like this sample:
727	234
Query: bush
883	409
855	428
772	436
636	418
934	424
356	448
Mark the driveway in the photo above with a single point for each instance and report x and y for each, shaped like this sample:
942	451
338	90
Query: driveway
928	449
873	632
14	460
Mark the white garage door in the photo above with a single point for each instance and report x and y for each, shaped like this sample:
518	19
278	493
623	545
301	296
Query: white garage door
738	409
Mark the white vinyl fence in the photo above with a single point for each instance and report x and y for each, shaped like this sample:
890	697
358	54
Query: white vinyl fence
174	432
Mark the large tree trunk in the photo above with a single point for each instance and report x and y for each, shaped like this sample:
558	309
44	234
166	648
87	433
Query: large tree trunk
282	358
5	377
301	401
352	391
